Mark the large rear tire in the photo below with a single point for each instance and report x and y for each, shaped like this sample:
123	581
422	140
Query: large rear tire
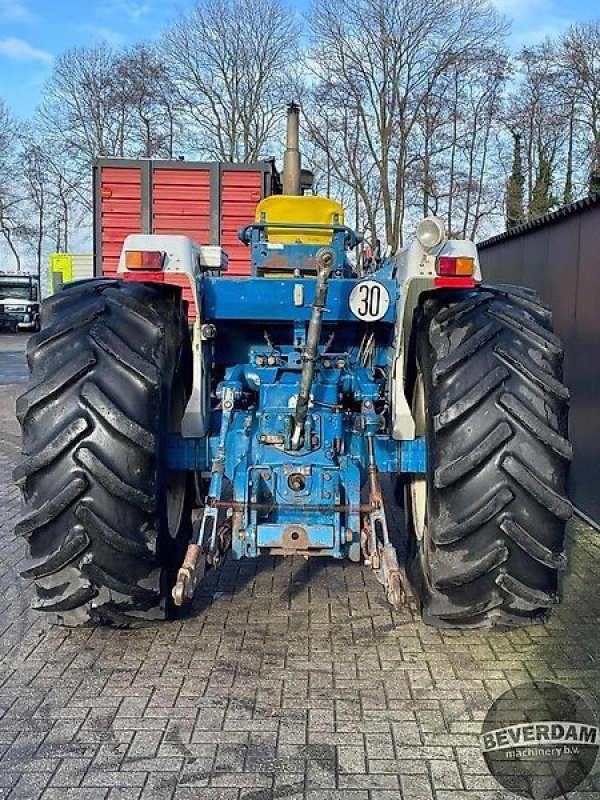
104	520
486	524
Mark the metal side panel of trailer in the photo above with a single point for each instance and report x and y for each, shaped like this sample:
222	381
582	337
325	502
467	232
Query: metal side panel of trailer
206	201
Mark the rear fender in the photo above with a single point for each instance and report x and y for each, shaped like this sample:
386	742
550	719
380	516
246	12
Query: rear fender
183	261
415	271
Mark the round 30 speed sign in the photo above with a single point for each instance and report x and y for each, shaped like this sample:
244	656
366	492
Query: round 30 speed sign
369	300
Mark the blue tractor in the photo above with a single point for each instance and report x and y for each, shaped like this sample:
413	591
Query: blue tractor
153	449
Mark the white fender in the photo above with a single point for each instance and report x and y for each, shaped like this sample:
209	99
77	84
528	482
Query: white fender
415	272
182	257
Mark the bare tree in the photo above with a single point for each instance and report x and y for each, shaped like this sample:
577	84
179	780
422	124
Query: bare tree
379	62
231	62
580	58
540	106
83	106
152	123
102	102
11	196
451	149
480	113
405	103
36	184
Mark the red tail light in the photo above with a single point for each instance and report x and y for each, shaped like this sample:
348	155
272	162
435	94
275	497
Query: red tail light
450	266
144	259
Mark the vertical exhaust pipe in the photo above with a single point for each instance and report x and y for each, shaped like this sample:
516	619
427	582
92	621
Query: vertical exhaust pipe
291	157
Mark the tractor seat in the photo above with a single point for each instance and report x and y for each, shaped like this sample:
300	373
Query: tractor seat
291	210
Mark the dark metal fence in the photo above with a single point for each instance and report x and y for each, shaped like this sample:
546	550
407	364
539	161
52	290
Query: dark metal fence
559	256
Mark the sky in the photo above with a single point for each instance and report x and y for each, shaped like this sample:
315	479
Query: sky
34	32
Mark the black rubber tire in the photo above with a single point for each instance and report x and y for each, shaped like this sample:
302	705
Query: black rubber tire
95	418
496	415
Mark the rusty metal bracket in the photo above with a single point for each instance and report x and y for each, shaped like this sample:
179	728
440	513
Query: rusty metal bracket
207	539
380	552
334	508
191	571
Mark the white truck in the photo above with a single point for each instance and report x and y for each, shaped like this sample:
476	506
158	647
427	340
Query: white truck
19	303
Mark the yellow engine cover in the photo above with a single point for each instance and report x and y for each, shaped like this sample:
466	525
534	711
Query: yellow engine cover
302	209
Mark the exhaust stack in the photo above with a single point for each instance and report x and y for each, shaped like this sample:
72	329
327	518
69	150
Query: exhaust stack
291	158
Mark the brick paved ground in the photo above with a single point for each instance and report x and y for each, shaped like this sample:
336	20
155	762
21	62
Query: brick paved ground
286	680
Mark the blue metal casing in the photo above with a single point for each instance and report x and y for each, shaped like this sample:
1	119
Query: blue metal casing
255	299
282	499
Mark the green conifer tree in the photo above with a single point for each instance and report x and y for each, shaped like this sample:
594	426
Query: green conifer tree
515	213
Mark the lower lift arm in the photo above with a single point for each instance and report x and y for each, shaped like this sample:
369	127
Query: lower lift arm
204	545
380	552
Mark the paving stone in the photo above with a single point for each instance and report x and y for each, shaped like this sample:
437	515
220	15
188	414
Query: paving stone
75	794
70	772
342	794
351	760
187	793
124	778
445	775
368	781
285	679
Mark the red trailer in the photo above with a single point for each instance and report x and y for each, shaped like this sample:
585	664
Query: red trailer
209	202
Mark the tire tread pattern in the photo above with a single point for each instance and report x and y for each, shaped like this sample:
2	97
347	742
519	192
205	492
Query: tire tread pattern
498	457
92	441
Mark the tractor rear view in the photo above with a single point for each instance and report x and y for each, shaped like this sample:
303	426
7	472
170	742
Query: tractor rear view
151	451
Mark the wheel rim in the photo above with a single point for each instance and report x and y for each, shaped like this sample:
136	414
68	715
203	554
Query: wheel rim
418	483
176	478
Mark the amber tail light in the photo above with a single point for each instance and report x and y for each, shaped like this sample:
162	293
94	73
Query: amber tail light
144	259
451	266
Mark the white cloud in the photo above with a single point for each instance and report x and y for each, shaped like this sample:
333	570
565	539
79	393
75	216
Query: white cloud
20	50
14	11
